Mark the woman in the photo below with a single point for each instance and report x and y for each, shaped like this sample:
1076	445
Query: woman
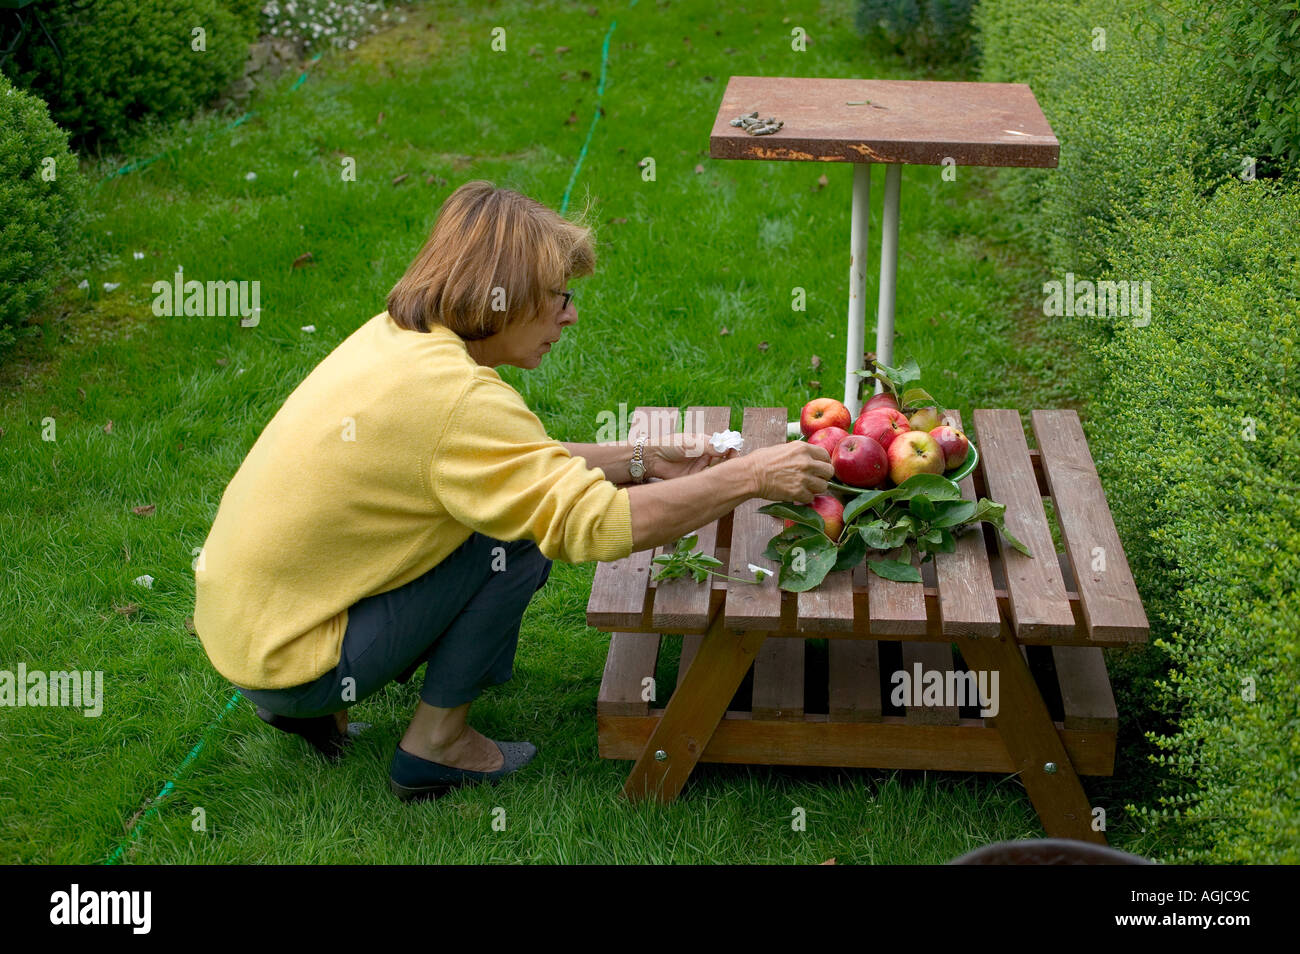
404	504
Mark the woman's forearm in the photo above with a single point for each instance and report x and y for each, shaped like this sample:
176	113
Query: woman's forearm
664	510
612	459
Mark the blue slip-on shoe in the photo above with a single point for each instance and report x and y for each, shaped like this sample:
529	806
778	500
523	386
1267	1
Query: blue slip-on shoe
321	732
411	777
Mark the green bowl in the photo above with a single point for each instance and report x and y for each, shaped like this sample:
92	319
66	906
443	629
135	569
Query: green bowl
965	470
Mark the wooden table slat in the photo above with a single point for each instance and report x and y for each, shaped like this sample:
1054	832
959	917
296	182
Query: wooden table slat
930	657
778	680
967	604
895	608
755	606
632	657
1085	688
1111	606
682	605
619	587
1035	589
854	680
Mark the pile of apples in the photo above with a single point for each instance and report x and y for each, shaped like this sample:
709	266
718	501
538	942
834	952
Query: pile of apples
883	443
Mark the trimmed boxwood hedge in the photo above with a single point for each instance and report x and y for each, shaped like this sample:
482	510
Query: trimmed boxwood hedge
1191	417
1195	432
37	213
119	63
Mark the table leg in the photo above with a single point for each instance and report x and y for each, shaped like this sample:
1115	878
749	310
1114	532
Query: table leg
1031	739
859	231
888	267
693	713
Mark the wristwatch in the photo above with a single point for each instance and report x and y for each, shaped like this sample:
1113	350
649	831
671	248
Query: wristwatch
636	466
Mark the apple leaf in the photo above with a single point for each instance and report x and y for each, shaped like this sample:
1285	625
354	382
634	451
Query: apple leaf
799	513
790	536
917	397
923	507
863	501
852	551
879	537
951	513
932	485
806	565
895	570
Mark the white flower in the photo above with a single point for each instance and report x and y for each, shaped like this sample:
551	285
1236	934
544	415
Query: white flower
112	286
83	285
250	176
137	255
759	571
310	329
146	581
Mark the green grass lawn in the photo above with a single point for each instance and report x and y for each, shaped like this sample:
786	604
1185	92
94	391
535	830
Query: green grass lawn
679	259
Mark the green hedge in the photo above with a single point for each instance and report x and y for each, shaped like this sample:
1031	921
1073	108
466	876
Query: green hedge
1197	438
924	32
1128	116
121	63
1152	134
37	213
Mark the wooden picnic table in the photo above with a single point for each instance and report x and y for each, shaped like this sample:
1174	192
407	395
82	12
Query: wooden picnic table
741	697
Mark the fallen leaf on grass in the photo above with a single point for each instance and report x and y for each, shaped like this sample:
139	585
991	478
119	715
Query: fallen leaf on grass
699	169
398	180
223	361
829	861
815	385
725	330
108	428
816	362
561	50
380	120
81	393
130	609
822	182
762	346
144	510
303	259
189	625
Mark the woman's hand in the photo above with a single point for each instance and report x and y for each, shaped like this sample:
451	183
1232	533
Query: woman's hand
682	454
796	471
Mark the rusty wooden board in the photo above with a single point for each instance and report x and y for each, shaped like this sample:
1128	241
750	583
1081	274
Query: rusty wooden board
921	122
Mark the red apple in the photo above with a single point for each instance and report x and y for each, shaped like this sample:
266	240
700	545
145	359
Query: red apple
926	419
954	444
823	412
828	437
883	399
882	425
860	461
832	512
915	452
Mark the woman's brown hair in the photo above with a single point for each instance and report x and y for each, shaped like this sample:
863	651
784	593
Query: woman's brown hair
495	257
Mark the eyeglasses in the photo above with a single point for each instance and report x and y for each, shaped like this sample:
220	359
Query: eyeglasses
568	297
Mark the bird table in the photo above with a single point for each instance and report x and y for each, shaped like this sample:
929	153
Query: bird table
833	676
887	121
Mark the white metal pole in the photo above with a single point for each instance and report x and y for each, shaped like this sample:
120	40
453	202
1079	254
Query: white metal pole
859	229
888	268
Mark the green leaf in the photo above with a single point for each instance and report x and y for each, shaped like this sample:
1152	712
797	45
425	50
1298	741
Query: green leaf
879	537
918	397
922	508
932	485
863	501
787	538
852	552
799	513
895	570
952	513
818	559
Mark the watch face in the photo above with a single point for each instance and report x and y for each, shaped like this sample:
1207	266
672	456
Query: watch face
636	470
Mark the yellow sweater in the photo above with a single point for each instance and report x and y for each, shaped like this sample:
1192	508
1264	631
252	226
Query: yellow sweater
381	463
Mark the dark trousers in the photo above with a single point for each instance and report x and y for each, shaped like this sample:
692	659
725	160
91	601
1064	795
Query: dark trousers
462	617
